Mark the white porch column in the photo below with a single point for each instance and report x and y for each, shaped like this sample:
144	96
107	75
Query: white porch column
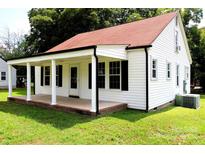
53	74
10	80
28	68
93	101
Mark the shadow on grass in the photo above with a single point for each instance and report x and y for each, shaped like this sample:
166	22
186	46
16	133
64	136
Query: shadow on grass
133	115
202	96
57	119
62	120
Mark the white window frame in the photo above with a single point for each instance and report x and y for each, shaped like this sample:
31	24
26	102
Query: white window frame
156	69
3	76
169	70
117	89
177	75
44	76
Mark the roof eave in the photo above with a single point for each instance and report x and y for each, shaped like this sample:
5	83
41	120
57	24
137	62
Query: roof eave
138	47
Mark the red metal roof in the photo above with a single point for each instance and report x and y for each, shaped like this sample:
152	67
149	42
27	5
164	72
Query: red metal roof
134	34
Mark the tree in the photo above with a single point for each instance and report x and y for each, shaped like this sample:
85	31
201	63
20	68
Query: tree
13	45
201	60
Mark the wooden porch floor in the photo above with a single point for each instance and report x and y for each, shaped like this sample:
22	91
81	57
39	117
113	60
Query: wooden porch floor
68	104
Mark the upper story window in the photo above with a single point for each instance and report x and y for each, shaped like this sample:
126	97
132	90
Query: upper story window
168	70
114	75
154	69
3	76
177	41
47	75
101	75
177	75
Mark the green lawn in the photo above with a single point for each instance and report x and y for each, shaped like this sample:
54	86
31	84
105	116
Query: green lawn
21	124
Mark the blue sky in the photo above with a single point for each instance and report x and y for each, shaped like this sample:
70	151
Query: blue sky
16	19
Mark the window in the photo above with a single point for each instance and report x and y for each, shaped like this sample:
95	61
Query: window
154	69
57	75
47	75
177	75
3	76
176	41
186	73
178	48
101	75
114	75
168	70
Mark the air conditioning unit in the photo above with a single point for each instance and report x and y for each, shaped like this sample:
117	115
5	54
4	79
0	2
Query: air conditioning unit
188	100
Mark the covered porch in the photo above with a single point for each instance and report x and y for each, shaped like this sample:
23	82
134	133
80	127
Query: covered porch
54	99
69	104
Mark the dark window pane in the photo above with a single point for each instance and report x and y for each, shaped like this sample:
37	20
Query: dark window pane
57	80
47	80
74	77
57	70
3	76
177	80
101	81
154	73
115	82
168	74
115	67
47	70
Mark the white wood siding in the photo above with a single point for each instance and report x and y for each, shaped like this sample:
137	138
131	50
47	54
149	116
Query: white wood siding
4	68
162	90
114	51
135	97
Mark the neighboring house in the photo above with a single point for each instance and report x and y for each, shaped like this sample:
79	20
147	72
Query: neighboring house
4	75
143	63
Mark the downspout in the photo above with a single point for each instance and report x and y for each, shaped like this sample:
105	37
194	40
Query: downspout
97	91
147	81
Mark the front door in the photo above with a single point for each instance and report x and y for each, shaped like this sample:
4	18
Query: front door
74	83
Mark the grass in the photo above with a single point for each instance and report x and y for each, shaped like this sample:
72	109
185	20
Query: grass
21	124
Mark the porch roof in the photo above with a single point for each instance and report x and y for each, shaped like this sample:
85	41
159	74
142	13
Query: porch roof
112	51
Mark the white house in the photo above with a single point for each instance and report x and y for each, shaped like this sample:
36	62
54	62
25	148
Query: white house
4	75
143	64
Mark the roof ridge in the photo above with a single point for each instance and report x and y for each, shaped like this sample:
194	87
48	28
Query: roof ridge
126	23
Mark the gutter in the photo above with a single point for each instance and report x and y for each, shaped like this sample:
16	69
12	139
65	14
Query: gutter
147	79
97	89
